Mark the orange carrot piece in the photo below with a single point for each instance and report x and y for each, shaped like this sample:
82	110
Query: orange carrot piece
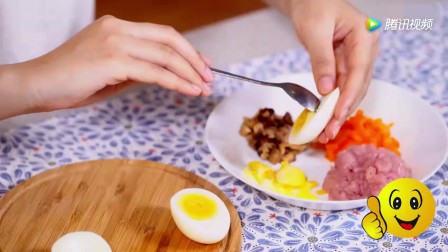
358	130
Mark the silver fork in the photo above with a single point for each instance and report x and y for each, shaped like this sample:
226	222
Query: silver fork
302	95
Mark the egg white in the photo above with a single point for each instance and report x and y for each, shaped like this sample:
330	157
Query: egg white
207	231
81	242
318	122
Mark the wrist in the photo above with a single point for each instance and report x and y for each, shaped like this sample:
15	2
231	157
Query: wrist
15	98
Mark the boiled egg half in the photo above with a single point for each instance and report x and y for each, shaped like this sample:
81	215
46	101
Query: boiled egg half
200	215
81	242
310	124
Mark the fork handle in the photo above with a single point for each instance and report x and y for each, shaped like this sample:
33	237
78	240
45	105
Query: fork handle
239	77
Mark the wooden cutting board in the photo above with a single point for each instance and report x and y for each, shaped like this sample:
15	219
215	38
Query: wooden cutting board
124	201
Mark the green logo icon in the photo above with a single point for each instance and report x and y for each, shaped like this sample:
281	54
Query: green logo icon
372	24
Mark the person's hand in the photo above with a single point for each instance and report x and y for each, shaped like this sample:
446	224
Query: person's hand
342	52
373	223
107	56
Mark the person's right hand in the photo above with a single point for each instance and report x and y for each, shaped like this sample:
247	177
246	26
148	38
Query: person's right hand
374	223
109	54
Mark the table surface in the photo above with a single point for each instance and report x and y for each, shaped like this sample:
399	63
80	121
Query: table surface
154	124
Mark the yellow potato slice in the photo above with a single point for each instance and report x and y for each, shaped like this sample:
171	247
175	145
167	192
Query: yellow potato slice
290	175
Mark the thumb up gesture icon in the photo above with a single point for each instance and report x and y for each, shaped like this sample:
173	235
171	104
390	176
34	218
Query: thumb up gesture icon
373	223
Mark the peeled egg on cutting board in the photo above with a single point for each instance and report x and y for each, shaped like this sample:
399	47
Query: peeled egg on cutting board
200	215
310	124
81	242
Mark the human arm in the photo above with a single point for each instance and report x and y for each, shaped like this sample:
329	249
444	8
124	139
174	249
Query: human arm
342	51
14	97
105	57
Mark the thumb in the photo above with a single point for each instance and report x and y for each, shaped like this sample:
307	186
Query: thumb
319	43
374	205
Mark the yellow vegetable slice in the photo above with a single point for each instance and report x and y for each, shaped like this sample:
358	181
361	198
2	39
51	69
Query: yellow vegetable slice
308	185
259	170
249	175
290	175
268	184
288	180
321	192
305	194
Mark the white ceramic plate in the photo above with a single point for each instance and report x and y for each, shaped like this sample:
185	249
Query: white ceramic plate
418	127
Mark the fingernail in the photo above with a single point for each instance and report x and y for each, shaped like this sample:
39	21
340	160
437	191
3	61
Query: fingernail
325	84
335	132
322	138
331	135
196	88
208	74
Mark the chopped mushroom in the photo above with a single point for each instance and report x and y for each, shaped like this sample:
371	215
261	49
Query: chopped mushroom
267	133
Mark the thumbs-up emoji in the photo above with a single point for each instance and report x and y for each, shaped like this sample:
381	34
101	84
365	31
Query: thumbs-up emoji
405	208
373	223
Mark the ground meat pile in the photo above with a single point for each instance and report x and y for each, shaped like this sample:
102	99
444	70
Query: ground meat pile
267	133
362	171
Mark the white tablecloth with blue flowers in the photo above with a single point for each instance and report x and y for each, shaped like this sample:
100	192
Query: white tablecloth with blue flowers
154	124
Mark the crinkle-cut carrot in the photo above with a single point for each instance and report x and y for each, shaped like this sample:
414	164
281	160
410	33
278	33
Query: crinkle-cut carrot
359	130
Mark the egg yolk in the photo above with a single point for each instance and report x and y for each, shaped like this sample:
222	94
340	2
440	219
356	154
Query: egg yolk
198	206
303	119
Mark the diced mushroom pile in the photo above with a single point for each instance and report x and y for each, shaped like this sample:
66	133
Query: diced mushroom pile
267	133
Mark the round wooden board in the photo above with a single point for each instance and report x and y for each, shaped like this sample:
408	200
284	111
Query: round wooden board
124	201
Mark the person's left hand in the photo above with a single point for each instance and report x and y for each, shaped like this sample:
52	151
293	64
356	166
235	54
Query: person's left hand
342	52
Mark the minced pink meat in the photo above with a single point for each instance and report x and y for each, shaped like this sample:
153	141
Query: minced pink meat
362	171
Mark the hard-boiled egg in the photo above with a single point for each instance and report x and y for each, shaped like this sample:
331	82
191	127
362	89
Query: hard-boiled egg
310	124
81	242
200	215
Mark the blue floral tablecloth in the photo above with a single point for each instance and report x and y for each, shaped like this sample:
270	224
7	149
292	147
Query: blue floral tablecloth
154	124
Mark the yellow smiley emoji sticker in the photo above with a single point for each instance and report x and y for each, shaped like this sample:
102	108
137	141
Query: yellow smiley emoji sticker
405	208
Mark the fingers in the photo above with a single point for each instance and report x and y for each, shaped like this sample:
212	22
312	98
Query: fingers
334	125
359	62
161	47
170	37
319	44
166	57
142	71
341	65
376	223
369	218
377	235
372	225
354	67
330	131
374	55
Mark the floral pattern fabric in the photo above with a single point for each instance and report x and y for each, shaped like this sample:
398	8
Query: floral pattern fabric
158	125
